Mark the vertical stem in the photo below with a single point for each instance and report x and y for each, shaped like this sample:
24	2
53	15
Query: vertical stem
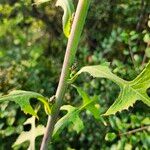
77	27
32	146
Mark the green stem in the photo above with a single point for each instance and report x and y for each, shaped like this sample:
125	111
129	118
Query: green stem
74	38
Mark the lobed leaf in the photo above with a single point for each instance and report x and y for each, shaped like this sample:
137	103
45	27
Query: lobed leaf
72	117
130	91
22	98
89	103
31	135
68	7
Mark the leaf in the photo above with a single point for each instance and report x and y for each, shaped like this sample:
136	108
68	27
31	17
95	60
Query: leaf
89	103
38	2
22	98
130	91
31	135
145	121
68	7
72	117
110	136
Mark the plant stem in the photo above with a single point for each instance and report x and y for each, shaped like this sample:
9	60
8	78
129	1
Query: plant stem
33	134
77	27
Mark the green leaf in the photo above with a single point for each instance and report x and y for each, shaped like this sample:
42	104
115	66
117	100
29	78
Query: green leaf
89	103
110	136
72	117
31	135
130	91
22	98
68	8
145	121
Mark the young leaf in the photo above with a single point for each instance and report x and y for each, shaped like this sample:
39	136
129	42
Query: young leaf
31	135
22	98
72	117
68	8
130	91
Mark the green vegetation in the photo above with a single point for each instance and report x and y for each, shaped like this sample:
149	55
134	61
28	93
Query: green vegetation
115	44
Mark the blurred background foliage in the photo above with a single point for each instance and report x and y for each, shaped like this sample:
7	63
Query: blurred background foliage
32	48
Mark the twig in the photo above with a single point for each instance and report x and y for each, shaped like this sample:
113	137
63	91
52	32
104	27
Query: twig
135	130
